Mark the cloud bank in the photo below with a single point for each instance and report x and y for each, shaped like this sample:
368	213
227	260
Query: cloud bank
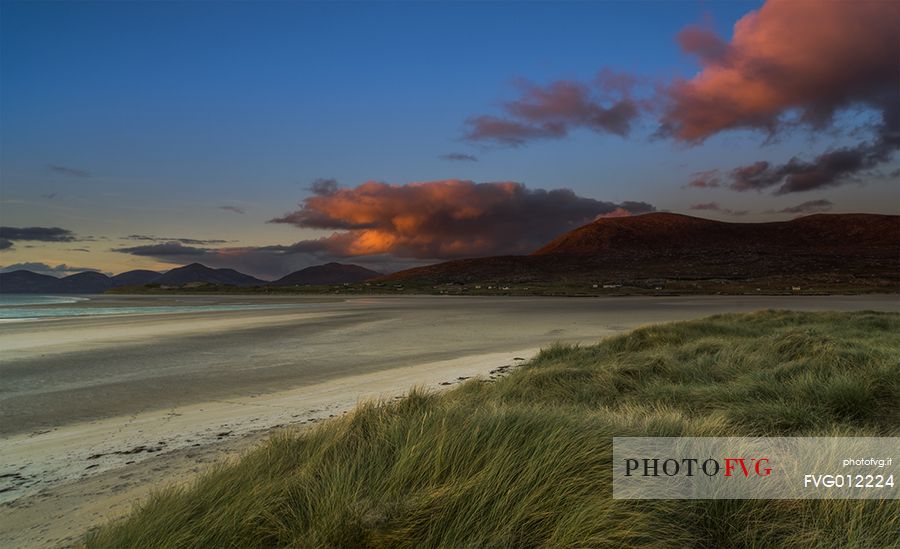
444	219
38	234
169	239
829	169
172	249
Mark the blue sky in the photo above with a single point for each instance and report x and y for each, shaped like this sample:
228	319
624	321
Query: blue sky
173	110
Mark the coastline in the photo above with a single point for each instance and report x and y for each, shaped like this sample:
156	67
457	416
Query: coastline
93	472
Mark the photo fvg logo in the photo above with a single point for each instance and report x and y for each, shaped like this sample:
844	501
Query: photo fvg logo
744	467
755	467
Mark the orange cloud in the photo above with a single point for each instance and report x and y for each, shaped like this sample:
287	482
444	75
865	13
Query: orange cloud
810	57
443	219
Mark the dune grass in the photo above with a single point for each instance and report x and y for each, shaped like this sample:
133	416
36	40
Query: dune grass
525	461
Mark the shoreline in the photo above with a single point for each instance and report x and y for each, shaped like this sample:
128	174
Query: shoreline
77	476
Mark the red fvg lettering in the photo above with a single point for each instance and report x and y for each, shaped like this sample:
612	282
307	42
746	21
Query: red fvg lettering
757	465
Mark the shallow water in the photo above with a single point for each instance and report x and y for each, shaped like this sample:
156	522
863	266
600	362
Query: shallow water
22	307
17	300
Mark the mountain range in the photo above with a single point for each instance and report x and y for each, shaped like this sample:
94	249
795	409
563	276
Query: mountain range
91	282
642	250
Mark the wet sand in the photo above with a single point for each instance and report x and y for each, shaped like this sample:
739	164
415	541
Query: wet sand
92	409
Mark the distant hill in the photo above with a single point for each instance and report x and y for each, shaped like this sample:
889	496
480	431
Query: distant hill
27	282
330	273
666	246
88	282
195	272
135	278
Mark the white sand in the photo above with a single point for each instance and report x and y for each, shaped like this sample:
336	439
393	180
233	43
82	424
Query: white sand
82	481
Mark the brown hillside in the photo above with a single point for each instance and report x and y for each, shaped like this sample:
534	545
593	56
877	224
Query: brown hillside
859	248
667	231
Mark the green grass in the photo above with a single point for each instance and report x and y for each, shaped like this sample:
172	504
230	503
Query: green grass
526	461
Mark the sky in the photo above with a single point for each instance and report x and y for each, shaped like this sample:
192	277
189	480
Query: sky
268	137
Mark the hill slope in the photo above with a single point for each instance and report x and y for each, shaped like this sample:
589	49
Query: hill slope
668	231
195	272
135	277
329	273
27	282
88	282
657	247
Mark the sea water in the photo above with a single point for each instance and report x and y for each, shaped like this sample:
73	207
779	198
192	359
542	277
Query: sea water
22	307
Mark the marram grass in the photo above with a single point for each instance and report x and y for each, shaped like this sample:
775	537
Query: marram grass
526	461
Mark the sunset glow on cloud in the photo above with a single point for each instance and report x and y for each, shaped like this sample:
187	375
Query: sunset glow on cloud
815	58
445	219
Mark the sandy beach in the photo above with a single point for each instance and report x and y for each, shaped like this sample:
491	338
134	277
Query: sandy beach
94	411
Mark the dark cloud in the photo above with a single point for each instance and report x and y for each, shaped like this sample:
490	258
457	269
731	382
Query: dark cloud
49	196
459	157
604	106
65	170
43	268
811	206
756	176
829	169
708	179
5	244
42	234
234	209
715	207
164	250
444	219
509	132
194	241
324	187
